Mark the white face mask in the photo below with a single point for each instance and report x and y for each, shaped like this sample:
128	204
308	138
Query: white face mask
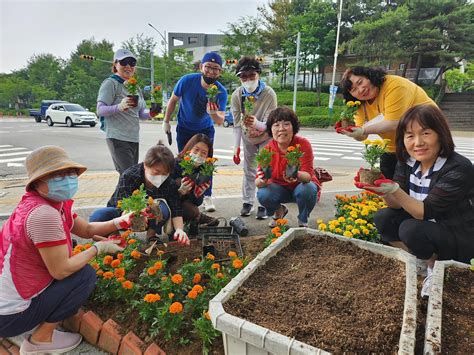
250	85
198	160
156	180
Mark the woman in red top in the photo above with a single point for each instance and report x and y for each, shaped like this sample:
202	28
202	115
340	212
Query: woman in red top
282	126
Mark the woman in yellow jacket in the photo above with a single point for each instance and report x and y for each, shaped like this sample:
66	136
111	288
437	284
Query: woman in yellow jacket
385	99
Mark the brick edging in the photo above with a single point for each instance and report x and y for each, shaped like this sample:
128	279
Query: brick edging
107	335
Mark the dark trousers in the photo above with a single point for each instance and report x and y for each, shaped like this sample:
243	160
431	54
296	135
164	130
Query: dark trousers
183	135
60	300
124	154
388	161
423	238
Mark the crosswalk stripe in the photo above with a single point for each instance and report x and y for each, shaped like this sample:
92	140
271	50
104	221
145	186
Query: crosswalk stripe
352	158
15	153
5	146
227	157
10	149
224	150
331	149
317	153
13	159
321	159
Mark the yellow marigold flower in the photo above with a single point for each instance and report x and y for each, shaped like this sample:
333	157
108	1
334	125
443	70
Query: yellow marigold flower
365	231
347	234
136	192
364	212
350	103
108	275
176	307
291	148
220	275
207	316
323	227
151	271
95	266
349	227
276	230
197	278
215	266
170	295
115	263
151	297
107	259
338	230
150	200
370	225
119	204
192	294
176	279
135	254
99	272
158	265
353	214
131	241
232	254
355	231
213	86
119	272
332	227
128	285
237	263
319	221
341	219
209	256
198	288
357	102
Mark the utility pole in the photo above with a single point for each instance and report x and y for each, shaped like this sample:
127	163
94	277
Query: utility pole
333	88
295	81
165	56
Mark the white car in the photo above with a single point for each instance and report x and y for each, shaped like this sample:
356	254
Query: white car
70	114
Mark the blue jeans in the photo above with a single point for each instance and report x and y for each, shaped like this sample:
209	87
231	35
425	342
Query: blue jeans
60	300
108	213
305	196
183	135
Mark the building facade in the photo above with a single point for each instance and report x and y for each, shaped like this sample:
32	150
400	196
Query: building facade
196	44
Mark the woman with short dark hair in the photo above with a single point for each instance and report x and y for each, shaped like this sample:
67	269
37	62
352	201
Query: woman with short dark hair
385	98
431	197
305	188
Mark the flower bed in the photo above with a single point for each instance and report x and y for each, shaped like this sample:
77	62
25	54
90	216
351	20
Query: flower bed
162	298
309	291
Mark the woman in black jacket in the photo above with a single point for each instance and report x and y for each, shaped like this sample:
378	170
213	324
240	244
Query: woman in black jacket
431	197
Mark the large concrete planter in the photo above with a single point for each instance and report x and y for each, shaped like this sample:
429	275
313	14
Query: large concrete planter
434	314
243	337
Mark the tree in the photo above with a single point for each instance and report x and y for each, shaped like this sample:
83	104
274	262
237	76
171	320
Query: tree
47	71
141	46
242	38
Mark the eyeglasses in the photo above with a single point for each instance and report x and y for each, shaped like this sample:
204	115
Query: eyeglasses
281	124
212	69
250	76
128	61
61	175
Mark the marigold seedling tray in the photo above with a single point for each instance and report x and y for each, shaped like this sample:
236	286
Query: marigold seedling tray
219	241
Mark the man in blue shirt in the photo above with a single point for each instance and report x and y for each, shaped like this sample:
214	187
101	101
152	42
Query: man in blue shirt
196	114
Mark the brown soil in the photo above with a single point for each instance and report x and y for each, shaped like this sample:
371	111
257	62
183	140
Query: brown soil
457	334
368	176
176	256
328	294
346	123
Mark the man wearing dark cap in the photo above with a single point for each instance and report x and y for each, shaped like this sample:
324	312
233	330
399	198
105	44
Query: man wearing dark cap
196	114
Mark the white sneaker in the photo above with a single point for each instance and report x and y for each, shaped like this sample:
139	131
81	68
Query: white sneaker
208	204
426	287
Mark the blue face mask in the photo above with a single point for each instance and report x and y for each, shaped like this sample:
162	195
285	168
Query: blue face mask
62	190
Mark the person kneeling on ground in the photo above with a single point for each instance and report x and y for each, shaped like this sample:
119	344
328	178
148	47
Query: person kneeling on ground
431	198
154	173
41	282
304	189
198	149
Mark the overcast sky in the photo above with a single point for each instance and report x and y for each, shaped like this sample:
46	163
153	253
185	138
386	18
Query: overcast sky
29	27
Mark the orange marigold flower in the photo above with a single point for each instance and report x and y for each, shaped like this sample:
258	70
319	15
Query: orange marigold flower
176	279
170	295
99	272
176	307
87	246
198	289
119	272
150	200
210	256
237	263
232	254
115	263
120	279
197	278
196	260
131	241
151	271
151	297
192	294
128	285
278	235
164	278
126	233
207	316
135	254
75	252
132	81
107	259
220	275
276	230
215	266
274	240
158	265
95	266
281	221
120	256
187	157
79	247
291	148
108	275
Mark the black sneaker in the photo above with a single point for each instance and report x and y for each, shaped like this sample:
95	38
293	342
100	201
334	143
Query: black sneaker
205	220
247	208
261	213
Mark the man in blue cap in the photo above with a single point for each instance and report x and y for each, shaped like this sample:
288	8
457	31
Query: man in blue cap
196	114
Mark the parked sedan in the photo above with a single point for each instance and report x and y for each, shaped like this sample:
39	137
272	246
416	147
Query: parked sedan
70	114
229	118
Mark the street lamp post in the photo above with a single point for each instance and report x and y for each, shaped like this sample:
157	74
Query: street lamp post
165	52
333	88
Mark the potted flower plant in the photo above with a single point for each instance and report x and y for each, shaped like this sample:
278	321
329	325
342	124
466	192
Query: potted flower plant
206	171
346	118
136	204
211	93
293	155
132	87
157	99
248	108
188	166
264	159
372	153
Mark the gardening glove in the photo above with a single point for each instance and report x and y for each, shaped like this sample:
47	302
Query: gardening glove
125	104
166	127
181	237
186	186
123	222
337	126
108	247
352	131
199	190
237	156
212	108
249	121
380	187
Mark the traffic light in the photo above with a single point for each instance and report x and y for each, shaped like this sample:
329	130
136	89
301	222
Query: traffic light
87	57
231	61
